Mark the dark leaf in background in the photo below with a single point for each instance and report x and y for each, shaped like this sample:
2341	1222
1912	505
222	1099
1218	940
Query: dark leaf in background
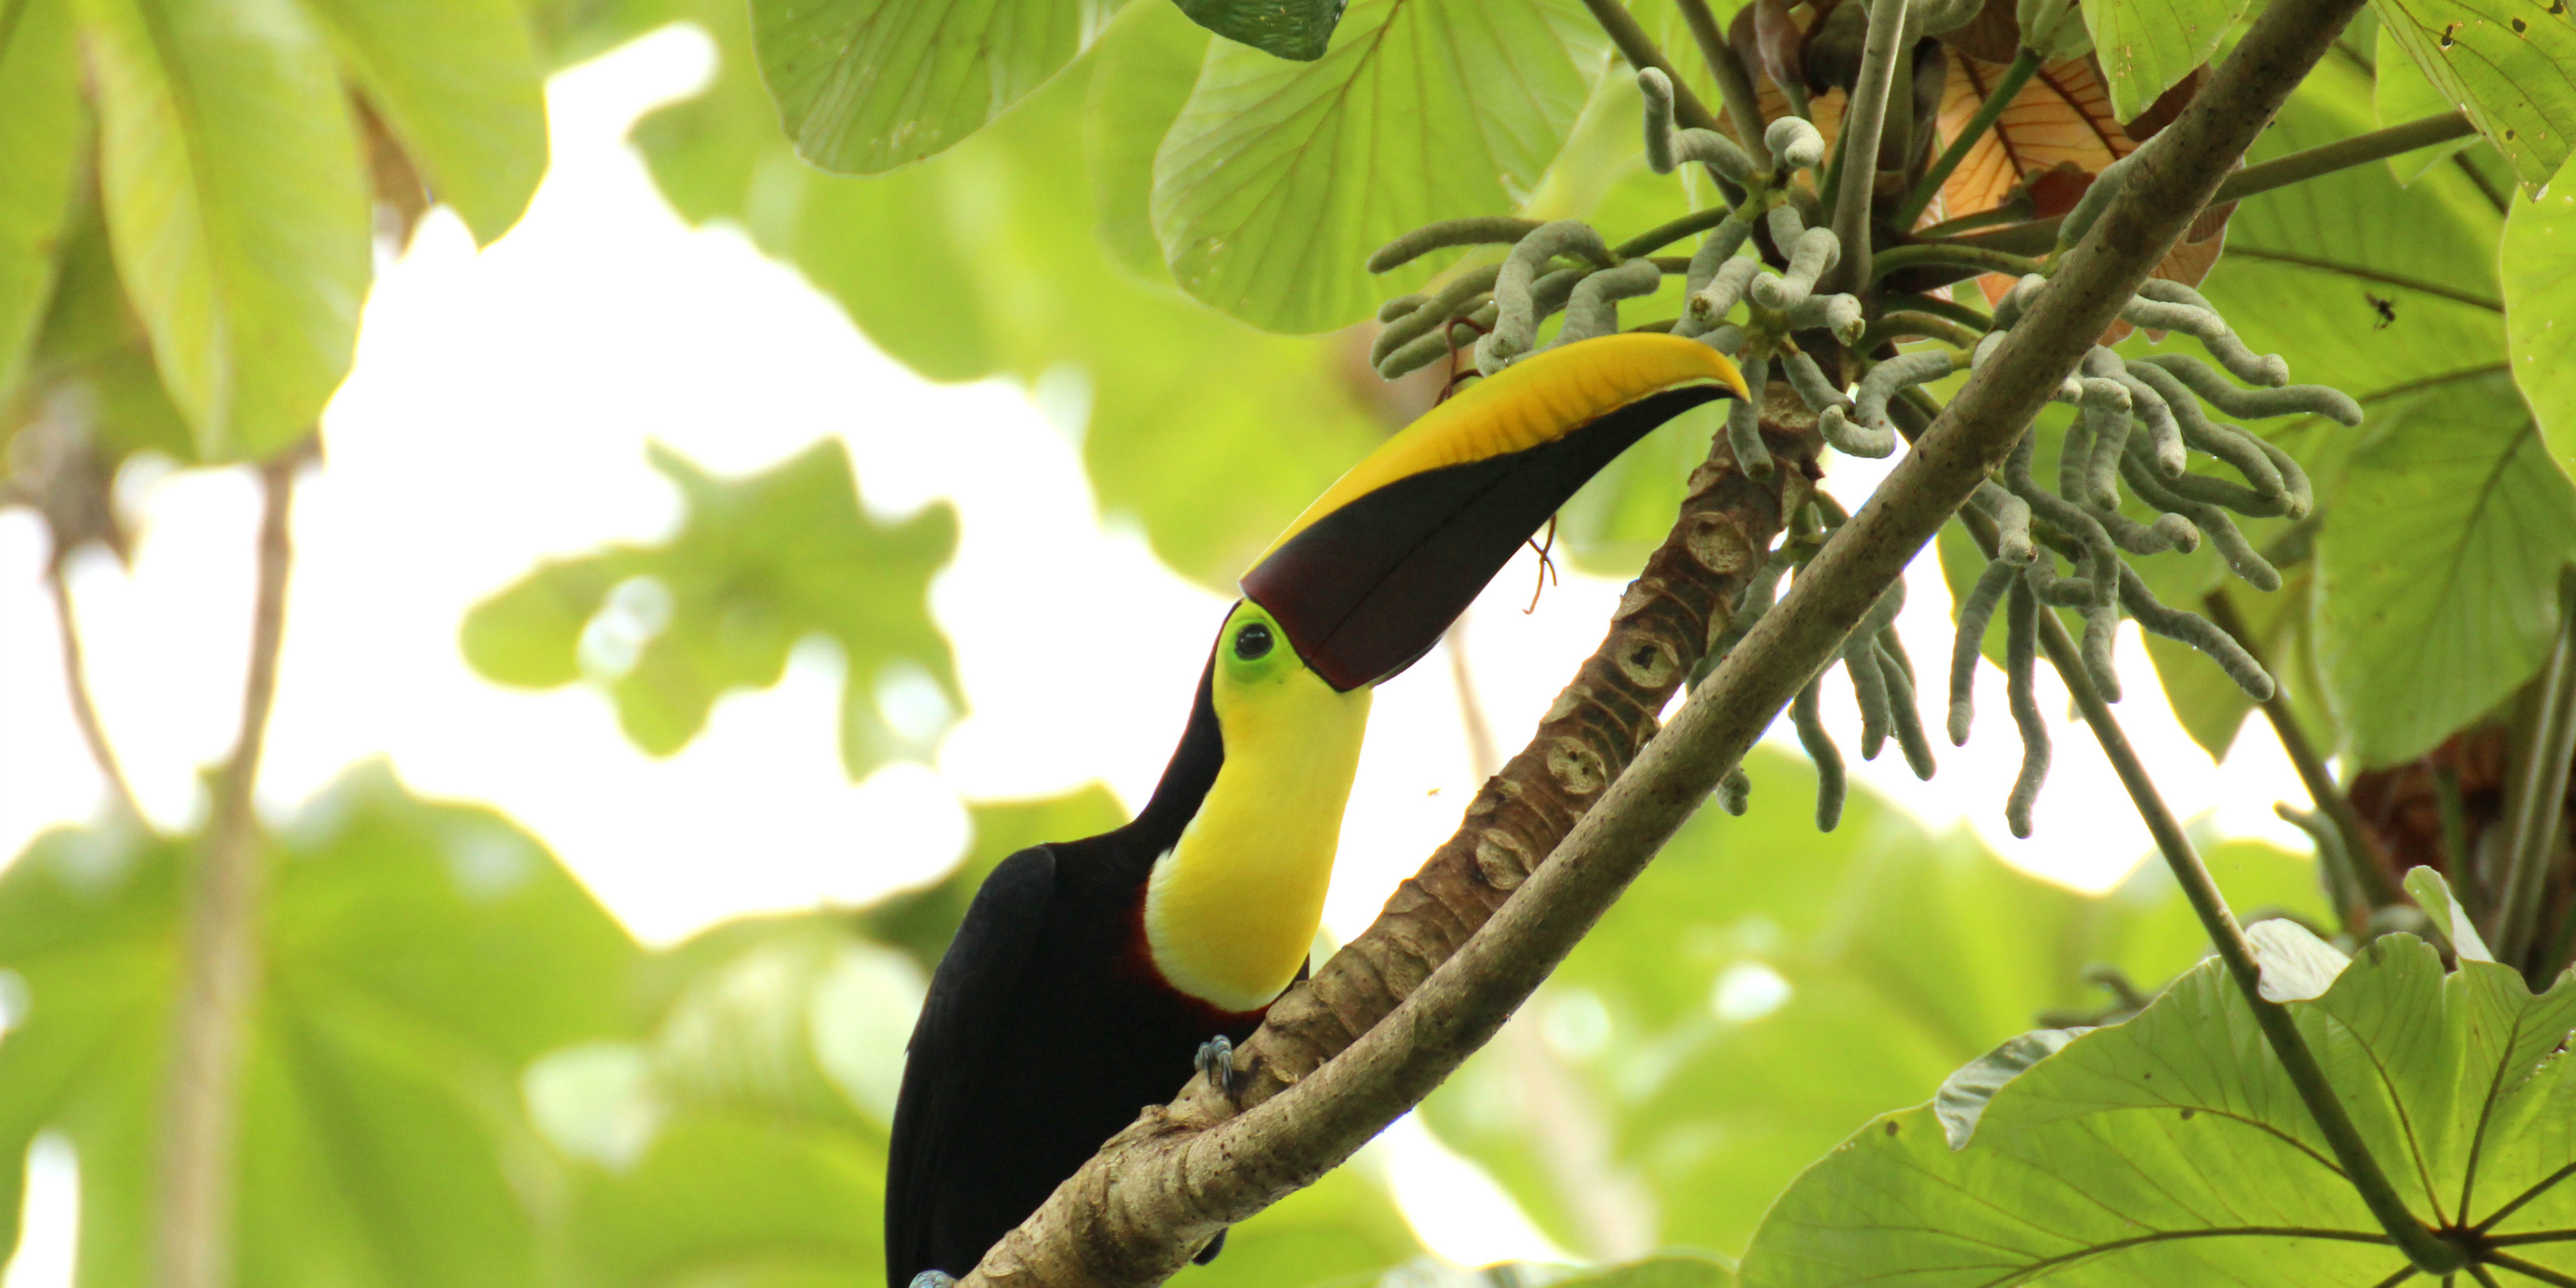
1295	29
758	564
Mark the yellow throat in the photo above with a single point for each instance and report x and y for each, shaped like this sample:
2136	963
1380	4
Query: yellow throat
1231	910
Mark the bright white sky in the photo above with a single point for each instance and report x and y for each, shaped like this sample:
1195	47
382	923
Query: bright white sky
498	416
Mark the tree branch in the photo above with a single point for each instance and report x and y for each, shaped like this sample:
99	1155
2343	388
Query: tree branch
1165	1185
84	711
219	972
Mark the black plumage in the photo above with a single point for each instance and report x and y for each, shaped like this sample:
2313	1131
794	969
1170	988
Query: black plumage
1046	1030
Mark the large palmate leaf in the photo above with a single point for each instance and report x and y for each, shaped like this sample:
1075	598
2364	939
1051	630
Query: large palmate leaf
237	204
2171	1149
2437	571
867	85
2510	63
1737	1014
2304	261
760	563
412	958
2402	93
42	129
1213	434
1279	178
2147	46
2539	259
458	82
743	1141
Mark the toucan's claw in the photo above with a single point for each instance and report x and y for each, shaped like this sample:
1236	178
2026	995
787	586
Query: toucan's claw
1216	1060
934	1279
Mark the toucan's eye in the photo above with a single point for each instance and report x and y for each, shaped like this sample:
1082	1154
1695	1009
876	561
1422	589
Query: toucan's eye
1252	641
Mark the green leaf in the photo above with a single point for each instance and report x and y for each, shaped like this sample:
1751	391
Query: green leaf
2539	259
1736	1015
922	921
412	957
1671	1270
864	86
2451	925
2147	46
760	563
2304	261
1147	64
1298	29
42	129
2510	63
459	83
2437	571
2172	1149
237	205
1212	433
1453	108
2404	93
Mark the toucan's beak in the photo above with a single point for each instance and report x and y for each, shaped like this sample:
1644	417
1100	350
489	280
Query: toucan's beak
1370	575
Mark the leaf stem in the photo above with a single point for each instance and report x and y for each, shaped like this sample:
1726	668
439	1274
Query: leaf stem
1665	234
2370	875
84	711
1861	129
1906	324
219	968
2361	149
1950	255
2000	96
2540	794
2429	1251
1743	107
1641	52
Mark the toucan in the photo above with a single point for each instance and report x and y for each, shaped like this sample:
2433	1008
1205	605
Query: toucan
1090	978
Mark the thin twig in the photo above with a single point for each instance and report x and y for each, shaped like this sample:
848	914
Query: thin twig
1641	52
84	711
2038	235
1861	128
2370	876
2540	795
219	969
1743	107
1998	97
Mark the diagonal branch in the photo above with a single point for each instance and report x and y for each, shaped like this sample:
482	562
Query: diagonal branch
1163	1187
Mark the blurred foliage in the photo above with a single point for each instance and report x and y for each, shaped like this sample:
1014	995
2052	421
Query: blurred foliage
413	958
463	1071
1764	989
757	564
233	155
2178	1126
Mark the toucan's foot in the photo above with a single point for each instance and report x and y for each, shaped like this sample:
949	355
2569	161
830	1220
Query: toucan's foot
934	1279
1216	1060
1214	1246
